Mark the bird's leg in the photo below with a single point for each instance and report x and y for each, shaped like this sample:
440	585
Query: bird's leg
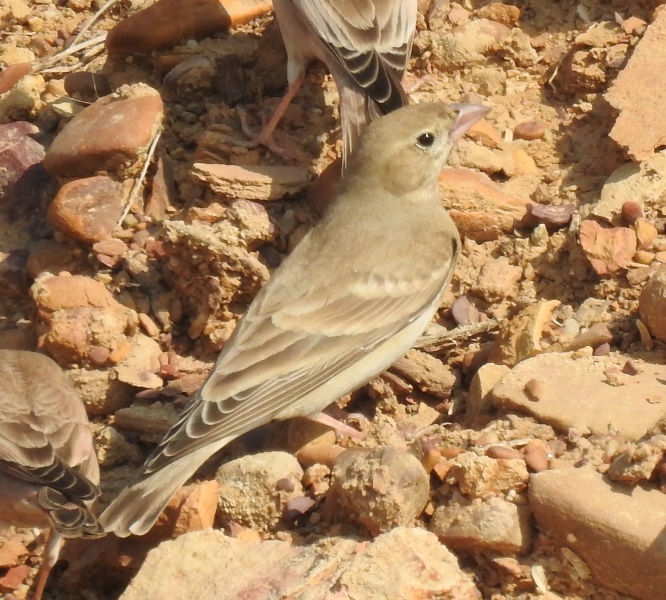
49	558
266	133
265	136
340	427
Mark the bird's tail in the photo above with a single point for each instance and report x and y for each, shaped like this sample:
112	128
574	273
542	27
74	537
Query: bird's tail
69	518
140	504
358	108
353	117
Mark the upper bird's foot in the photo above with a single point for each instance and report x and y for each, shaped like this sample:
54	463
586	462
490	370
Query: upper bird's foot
265	138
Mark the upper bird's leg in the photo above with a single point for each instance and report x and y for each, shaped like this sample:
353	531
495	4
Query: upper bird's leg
340	427
49	558
265	136
267	131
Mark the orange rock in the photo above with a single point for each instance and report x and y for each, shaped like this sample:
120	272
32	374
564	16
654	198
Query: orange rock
530	130
198	509
609	250
12	75
639	93
191	509
72	291
652	303
502	13
324	454
12	553
480	208
482	131
87	210
109	135
73	334
15	577
168	22
631	24
646	233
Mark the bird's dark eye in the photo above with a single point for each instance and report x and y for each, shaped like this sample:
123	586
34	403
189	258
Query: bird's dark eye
425	140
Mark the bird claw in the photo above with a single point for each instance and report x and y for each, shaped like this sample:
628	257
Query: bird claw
265	138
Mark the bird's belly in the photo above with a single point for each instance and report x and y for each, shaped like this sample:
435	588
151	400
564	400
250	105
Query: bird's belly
367	367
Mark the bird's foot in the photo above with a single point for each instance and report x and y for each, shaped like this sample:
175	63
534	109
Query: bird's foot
265	138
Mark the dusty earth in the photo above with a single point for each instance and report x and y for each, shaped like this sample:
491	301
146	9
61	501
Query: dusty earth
550	368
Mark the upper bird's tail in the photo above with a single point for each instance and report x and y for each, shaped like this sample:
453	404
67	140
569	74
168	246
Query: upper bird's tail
365	96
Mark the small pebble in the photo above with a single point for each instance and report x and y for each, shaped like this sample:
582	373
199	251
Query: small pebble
98	355
295	507
631	368
631	211
557	447
553	216
148	325
539	236
503	452
529	130
534	390
451	452
464	312
537	459
644	257
596	335
602	350
285	485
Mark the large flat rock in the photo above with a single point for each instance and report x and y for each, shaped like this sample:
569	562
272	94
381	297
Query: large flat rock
403	563
639	92
618	531
587	393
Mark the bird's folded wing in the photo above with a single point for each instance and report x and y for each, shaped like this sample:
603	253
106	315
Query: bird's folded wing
371	38
27	453
280	354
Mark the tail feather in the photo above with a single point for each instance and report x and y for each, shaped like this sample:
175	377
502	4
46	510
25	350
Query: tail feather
358	109
379	80
353	117
71	519
138	506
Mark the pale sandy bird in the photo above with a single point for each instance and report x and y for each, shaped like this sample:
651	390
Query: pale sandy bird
366	46
351	298
48	467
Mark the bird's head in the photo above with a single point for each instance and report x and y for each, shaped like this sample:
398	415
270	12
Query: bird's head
406	149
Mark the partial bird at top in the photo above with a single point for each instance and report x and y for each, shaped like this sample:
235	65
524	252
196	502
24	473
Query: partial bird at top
366	45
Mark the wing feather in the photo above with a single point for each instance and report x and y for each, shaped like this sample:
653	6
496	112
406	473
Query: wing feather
372	39
248	388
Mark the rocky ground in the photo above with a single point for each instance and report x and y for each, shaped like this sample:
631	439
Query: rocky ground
517	453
